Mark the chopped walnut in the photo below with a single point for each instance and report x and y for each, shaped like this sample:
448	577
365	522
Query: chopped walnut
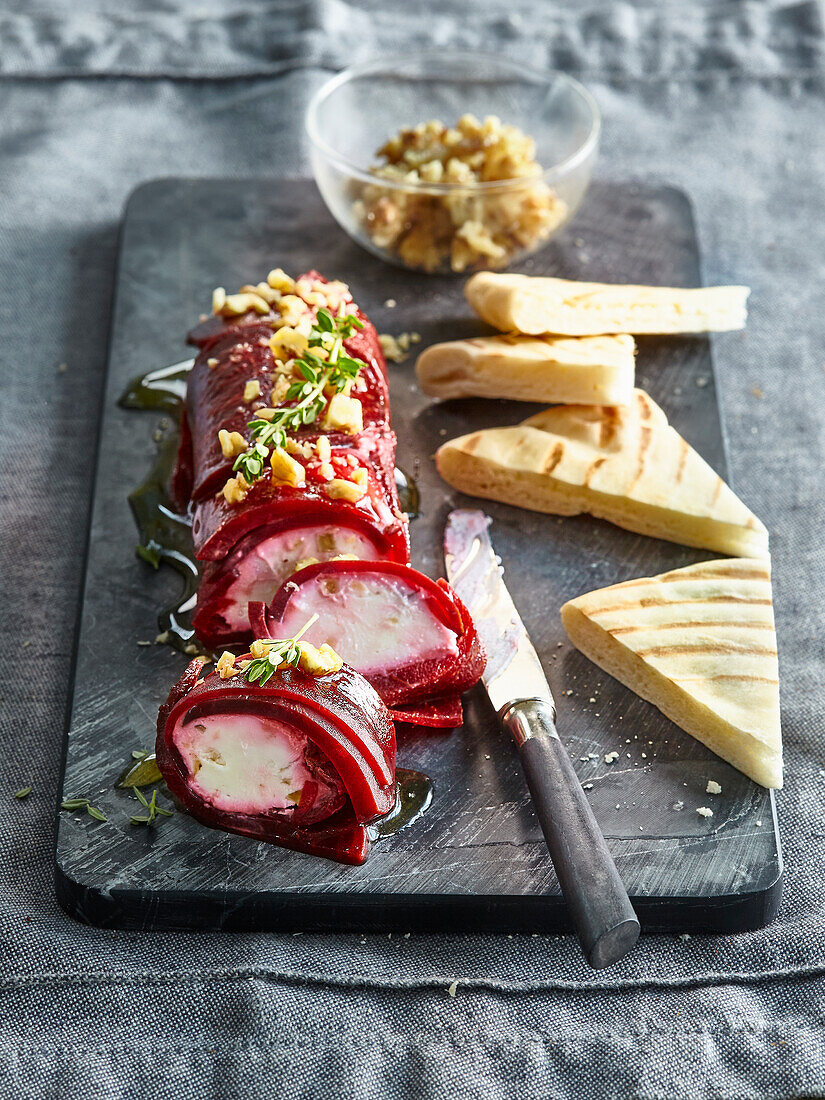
344	414
339	489
225	666
236	305
279	390
321	661
360	477
236	489
304	562
259	648
326	471
296	448
212	362
251	390
279	280
465	226
292	309
396	348
232	443
323	448
285	470
290	340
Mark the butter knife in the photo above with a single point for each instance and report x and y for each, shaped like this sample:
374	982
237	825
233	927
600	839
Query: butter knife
596	898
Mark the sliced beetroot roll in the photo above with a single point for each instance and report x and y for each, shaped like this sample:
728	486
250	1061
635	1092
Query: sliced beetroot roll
297	756
411	637
254	545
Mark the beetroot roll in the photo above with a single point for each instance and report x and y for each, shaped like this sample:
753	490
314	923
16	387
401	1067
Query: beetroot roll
286	447
285	745
411	637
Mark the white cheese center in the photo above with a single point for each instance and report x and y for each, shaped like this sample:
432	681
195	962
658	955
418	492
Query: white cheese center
242	762
374	622
267	566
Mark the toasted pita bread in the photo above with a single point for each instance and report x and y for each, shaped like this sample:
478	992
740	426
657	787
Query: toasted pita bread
592	370
700	644
626	465
533	305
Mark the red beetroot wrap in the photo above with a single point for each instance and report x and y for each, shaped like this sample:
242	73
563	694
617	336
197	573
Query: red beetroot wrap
234	353
350	750
419	650
242	545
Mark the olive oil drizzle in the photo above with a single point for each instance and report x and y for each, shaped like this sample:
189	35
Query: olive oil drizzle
165	534
413	797
408	495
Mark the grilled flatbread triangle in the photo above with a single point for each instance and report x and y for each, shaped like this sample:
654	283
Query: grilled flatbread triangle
700	644
626	465
534	305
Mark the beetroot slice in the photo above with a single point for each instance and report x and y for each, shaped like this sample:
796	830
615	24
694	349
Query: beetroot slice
423	652
350	743
444	713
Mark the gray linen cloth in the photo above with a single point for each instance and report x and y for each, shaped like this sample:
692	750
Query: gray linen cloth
721	98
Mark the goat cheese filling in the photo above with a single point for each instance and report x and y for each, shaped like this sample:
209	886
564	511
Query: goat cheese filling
246	763
263	570
375	623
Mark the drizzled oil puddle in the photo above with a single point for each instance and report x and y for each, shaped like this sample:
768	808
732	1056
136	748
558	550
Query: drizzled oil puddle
408	495
160	390
165	534
413	798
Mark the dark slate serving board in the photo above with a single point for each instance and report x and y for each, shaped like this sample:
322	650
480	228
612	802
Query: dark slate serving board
476	860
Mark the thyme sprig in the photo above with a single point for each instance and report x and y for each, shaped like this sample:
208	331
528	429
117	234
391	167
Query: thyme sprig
320	375
283	651
152	809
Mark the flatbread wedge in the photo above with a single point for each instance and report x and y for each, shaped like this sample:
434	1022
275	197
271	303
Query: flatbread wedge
625	465
700	644
534	305
591	370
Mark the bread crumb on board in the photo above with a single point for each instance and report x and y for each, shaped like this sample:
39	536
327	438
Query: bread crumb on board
713	787
396	348
703	811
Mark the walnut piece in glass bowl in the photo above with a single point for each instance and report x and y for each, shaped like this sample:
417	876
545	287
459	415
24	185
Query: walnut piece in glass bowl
466	226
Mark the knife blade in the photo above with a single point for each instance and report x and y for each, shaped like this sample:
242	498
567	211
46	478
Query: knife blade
596	898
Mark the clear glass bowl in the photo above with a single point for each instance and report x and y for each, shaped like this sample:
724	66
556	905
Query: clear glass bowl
450	227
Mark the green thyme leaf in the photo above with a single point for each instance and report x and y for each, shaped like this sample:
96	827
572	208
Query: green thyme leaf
141	797
139	820
24	792
74	804
150	553
138	754
324	321
140	774
94	812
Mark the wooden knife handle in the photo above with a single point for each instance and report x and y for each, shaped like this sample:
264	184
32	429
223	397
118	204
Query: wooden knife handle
604	919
